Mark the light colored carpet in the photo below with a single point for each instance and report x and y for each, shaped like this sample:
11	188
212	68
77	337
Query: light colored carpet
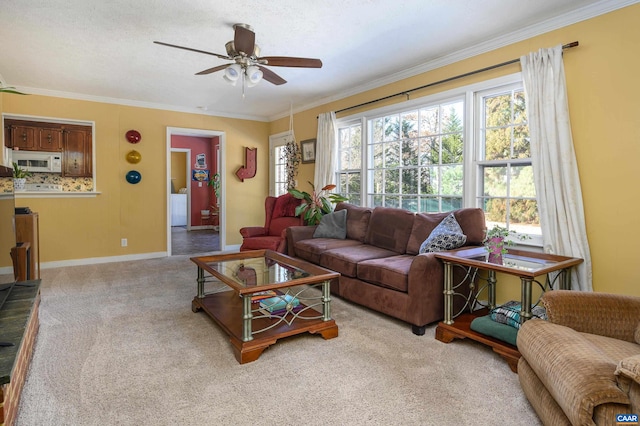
118	344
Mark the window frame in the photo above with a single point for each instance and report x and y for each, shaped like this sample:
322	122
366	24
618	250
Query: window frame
276	141
470	94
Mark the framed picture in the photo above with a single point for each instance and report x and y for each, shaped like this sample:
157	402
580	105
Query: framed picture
200	175
201	161
308	149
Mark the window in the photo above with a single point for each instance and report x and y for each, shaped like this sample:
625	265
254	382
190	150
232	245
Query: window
277	164
505	173
415	158
466	147
349	181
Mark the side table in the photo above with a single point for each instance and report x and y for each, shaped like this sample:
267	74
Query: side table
524	264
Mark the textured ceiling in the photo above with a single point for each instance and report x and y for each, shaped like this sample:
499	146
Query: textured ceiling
104	50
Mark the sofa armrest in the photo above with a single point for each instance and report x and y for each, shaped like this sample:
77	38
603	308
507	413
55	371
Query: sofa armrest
298	233
253	231
425	286
628	379
611	315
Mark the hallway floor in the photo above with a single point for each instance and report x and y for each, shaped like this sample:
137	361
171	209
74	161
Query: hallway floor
193	242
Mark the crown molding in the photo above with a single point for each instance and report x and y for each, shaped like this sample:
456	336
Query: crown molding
139	104
560	21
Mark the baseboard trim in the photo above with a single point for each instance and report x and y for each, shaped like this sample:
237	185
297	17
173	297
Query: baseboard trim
95	260
109	259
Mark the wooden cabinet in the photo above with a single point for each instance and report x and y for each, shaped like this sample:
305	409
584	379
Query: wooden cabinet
27	231
33	135
75	142
49	139
77	148
22	136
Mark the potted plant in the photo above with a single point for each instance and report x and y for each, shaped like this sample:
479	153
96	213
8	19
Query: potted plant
19	177
496	242
316	204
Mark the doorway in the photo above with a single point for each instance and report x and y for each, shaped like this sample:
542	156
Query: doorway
194	156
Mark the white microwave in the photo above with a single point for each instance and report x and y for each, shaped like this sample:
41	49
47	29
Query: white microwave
38	161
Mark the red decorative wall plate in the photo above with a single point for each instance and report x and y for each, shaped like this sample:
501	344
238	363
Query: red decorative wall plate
133	136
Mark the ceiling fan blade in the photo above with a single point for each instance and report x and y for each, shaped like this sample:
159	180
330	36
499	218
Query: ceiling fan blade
193	50
286	61
244	39
271	76
212	70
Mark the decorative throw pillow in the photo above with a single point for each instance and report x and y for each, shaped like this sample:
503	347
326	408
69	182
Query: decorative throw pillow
446	236
332	225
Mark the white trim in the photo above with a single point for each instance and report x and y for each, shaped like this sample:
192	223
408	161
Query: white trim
96	260
138	104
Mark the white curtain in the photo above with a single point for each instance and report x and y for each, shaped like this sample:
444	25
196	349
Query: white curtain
554	162
326	149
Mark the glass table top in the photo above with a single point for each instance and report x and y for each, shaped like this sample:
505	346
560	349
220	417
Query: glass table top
257	271
515	261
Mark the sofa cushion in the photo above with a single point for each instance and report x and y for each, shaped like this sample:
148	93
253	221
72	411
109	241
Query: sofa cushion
636	335
357	220
269	242
279	224
391	272
446	236
332	225
390	228
345	259
311	249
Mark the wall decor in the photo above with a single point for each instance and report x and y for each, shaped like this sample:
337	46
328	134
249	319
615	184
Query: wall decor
249	169
133	136
308	149
200	175
201	161
133	177
134	157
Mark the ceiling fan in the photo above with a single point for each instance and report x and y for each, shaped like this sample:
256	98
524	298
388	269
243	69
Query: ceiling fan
247	60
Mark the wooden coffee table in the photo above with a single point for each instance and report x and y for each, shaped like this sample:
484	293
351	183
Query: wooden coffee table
250	328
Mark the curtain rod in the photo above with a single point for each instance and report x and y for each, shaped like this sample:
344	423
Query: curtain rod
446	80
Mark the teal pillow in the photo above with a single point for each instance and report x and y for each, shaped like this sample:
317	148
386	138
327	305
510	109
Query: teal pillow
447	235
503	332
332	225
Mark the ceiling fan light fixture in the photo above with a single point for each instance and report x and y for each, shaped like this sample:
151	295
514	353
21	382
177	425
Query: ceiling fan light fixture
228	80
232	72
254	75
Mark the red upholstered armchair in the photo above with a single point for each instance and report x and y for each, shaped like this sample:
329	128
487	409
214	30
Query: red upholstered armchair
280	214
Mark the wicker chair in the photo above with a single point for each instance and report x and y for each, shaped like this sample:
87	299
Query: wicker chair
582	366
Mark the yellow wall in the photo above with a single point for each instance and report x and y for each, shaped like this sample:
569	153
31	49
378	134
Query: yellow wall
604	105
72	228
603	101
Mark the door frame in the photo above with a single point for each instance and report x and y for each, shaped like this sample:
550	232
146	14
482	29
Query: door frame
180	131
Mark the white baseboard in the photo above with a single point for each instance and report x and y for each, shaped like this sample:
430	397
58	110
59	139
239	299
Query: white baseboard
109	259
95	260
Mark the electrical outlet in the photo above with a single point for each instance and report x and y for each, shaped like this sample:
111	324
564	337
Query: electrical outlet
123	242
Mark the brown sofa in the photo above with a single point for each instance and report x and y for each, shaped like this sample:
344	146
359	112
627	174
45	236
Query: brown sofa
582	366
379	259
